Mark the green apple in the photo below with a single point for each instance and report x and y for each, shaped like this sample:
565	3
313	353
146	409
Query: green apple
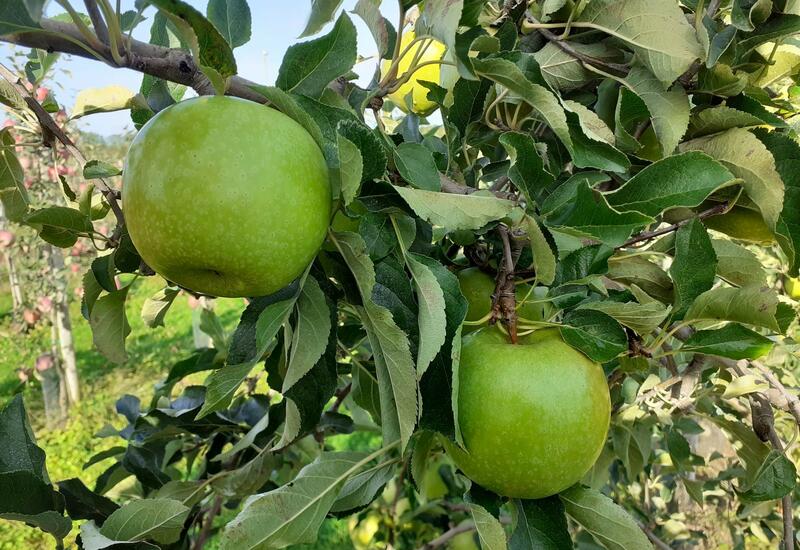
792	286
226	197
464	541
533	416
477	287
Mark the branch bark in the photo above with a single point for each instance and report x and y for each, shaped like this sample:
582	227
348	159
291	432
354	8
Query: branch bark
647	235
170	64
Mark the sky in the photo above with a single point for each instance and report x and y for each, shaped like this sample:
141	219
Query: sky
276	26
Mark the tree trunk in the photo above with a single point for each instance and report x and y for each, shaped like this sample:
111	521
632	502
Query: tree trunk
63	325
13	280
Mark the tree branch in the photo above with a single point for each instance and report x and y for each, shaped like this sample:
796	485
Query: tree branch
51	129
99	25
170	64
581	57
647	235
445	537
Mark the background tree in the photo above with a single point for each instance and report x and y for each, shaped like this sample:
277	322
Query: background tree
633	161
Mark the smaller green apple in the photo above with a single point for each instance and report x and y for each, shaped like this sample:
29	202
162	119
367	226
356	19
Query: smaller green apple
464	541
792	285
477	287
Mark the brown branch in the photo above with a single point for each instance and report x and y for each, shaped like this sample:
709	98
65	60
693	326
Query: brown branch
208	524
647	235
792	401
170	64
582	58
445	537
99	25
504	299
340	394
51	129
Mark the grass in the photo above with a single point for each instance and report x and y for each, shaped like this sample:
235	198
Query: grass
151	353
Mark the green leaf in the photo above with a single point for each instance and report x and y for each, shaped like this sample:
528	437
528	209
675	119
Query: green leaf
607	522
776	27
309	67
589	213
683	180
747	158
440	19
156	306
775	478
95	169
14	17
59	225
454	212
322	12
232	19
13	194
110	325
786	153
361	489
397	380
747	14
583	263
432	319
350	168
541	524
737	265
293	513
637	270
564	72
382	31
103	100
224	382
732	341
669	109
10	97
640	317
694	266
490	530
310	335
209	47
506	73
29	499
416	165
750	305
93	539
20	451
719	119
595	334
527	171
544	261
656	31
158	519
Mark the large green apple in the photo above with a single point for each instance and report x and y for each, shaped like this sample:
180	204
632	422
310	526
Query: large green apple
477	287
534	416
225	196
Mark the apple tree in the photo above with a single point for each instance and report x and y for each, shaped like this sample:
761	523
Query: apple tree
548	296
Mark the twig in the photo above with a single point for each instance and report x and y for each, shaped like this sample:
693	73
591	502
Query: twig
445	537
51	128
170	64
340	394
647	235
504	299
581	57
205	532
653	537
100	28
792	402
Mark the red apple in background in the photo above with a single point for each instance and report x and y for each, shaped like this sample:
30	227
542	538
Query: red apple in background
31	316
75	268
52	173
23	375
41	94
44	362
25	162
44	304
28	182
8	123
7	238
